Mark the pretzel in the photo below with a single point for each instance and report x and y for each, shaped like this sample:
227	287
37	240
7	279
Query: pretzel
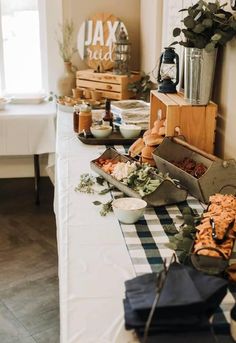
217	231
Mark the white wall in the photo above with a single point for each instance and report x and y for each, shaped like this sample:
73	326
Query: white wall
150	35
225	75
127	11
224	96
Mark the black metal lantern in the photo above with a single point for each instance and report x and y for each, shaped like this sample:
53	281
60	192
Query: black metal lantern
168	71
122	53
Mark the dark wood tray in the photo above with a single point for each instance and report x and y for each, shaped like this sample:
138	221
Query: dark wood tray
114	139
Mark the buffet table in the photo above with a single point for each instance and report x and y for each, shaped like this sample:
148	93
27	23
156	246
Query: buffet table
28	129
94	260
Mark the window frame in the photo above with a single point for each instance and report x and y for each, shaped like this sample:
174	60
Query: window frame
43	53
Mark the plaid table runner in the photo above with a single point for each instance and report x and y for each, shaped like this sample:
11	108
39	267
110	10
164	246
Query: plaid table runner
146	243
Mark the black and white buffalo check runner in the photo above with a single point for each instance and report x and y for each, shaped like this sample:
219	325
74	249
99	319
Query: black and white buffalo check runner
146	243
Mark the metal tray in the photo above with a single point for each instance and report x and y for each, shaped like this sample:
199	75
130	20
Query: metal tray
114	139
167	193
220	176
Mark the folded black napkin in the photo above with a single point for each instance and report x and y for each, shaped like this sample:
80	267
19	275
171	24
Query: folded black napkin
185	300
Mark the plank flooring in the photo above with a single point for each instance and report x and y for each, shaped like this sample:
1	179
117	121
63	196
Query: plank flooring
29	306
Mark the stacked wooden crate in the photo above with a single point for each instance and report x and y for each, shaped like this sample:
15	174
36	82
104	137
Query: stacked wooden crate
196	123
110	85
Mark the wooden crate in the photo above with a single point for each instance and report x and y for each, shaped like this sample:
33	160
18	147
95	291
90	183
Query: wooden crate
196	123
110	85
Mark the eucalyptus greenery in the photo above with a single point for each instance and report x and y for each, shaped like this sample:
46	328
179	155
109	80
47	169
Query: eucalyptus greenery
182	241
142	87
65	40
207	25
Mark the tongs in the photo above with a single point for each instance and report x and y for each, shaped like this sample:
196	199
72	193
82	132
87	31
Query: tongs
214	235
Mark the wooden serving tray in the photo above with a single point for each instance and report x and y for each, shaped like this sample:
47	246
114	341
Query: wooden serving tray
114	139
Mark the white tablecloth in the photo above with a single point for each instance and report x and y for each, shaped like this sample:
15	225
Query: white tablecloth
27	129
93	258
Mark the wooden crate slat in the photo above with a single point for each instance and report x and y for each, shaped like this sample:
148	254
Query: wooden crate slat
98	85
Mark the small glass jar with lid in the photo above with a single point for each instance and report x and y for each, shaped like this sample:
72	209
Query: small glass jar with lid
85	117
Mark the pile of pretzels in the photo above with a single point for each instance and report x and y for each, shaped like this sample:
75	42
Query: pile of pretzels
217	231
145	146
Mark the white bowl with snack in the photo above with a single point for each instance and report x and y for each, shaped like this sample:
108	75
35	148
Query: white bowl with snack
101	131
128	210
130	131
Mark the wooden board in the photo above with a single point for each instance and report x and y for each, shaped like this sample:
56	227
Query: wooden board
96	40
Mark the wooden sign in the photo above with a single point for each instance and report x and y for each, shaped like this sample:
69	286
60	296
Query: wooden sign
96	38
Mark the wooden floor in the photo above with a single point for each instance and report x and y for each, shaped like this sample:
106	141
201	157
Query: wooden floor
29	308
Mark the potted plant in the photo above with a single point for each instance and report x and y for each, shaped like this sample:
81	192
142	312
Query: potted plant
142	87
66	50
206	27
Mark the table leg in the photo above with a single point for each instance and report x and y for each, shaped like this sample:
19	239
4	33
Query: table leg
36	178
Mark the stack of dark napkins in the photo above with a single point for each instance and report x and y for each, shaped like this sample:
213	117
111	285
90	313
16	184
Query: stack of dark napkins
186	300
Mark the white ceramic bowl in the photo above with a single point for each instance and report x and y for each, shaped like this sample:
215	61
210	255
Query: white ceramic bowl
100	131
130	131
3	102
128	210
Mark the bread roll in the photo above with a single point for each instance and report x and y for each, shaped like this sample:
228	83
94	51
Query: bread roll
150	161
153	139
136	148
146	133
161	131
147	152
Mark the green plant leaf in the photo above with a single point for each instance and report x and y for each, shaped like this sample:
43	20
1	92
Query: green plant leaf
189	22
97	203
233	25
182	256
174	43
225	4
220	15
213	7
199	28
170	229
207	22
176	32
216	37
210	47
188	34
185	244
200	42
171	246
100	180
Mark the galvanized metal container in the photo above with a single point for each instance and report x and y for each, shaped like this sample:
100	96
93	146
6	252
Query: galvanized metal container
220	176
166	193
199	68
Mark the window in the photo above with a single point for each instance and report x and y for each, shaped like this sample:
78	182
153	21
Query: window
21	47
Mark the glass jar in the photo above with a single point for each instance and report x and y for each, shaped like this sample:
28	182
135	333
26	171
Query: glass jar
76	118
85	117
108	117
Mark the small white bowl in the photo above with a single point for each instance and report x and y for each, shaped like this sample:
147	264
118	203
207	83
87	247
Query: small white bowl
100	131
128	210
3	102
130	131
